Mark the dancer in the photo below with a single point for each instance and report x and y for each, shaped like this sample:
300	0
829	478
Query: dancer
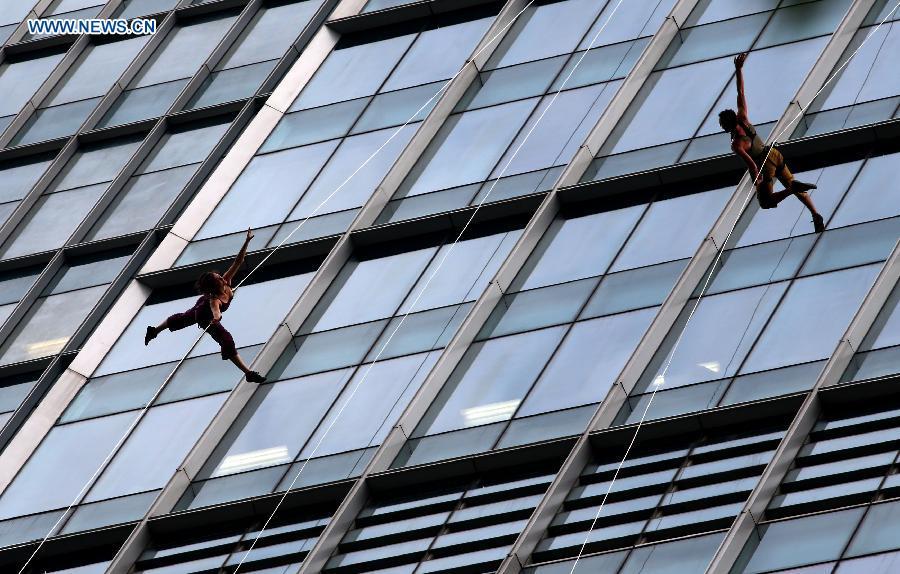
215	297
764	164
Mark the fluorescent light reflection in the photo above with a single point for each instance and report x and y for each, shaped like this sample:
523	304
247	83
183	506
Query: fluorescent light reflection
254	459
490	413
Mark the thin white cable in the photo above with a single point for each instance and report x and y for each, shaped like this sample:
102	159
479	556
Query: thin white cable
660	379
422	291
150	402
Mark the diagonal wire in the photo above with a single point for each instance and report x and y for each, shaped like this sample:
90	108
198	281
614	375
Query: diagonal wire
659	381
322	204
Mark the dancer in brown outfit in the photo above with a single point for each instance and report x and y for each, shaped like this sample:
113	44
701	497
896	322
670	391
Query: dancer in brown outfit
216	295
764	164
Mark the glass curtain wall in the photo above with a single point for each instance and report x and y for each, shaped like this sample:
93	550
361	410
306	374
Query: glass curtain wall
75	96
113	401
866	89
688	485
470	523
559	338
877	356
355	364
674	118
253	56
840	496
368	86
487	135
154	88
11	14
761	330
20	77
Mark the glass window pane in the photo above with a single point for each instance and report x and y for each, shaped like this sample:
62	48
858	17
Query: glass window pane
184	146
437	54
760	264
116	511
15	283
866	200
20	176
600	65
328	350
719	335
804	20
588	362
142	103
537	308
79	448
672	229
601	563
466	147
855	245
459	272
634	289
114	393
92	270
547	426
350	299
52	220
289	170
490	381
878	564
528	40
713	41
142	202
512	83
96	164
269	34
55	122
561	130
577	248
275	424
349	156
396	108
313	125
19	80
801	541
800	320
690	555
14	390
47	326
156	448
382	392
96	69
358	69
707	11
877	531
183	50
676	94
631	20
230	85
424	331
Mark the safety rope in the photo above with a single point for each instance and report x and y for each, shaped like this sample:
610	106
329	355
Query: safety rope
659	381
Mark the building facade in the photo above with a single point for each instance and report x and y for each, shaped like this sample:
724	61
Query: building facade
515	302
